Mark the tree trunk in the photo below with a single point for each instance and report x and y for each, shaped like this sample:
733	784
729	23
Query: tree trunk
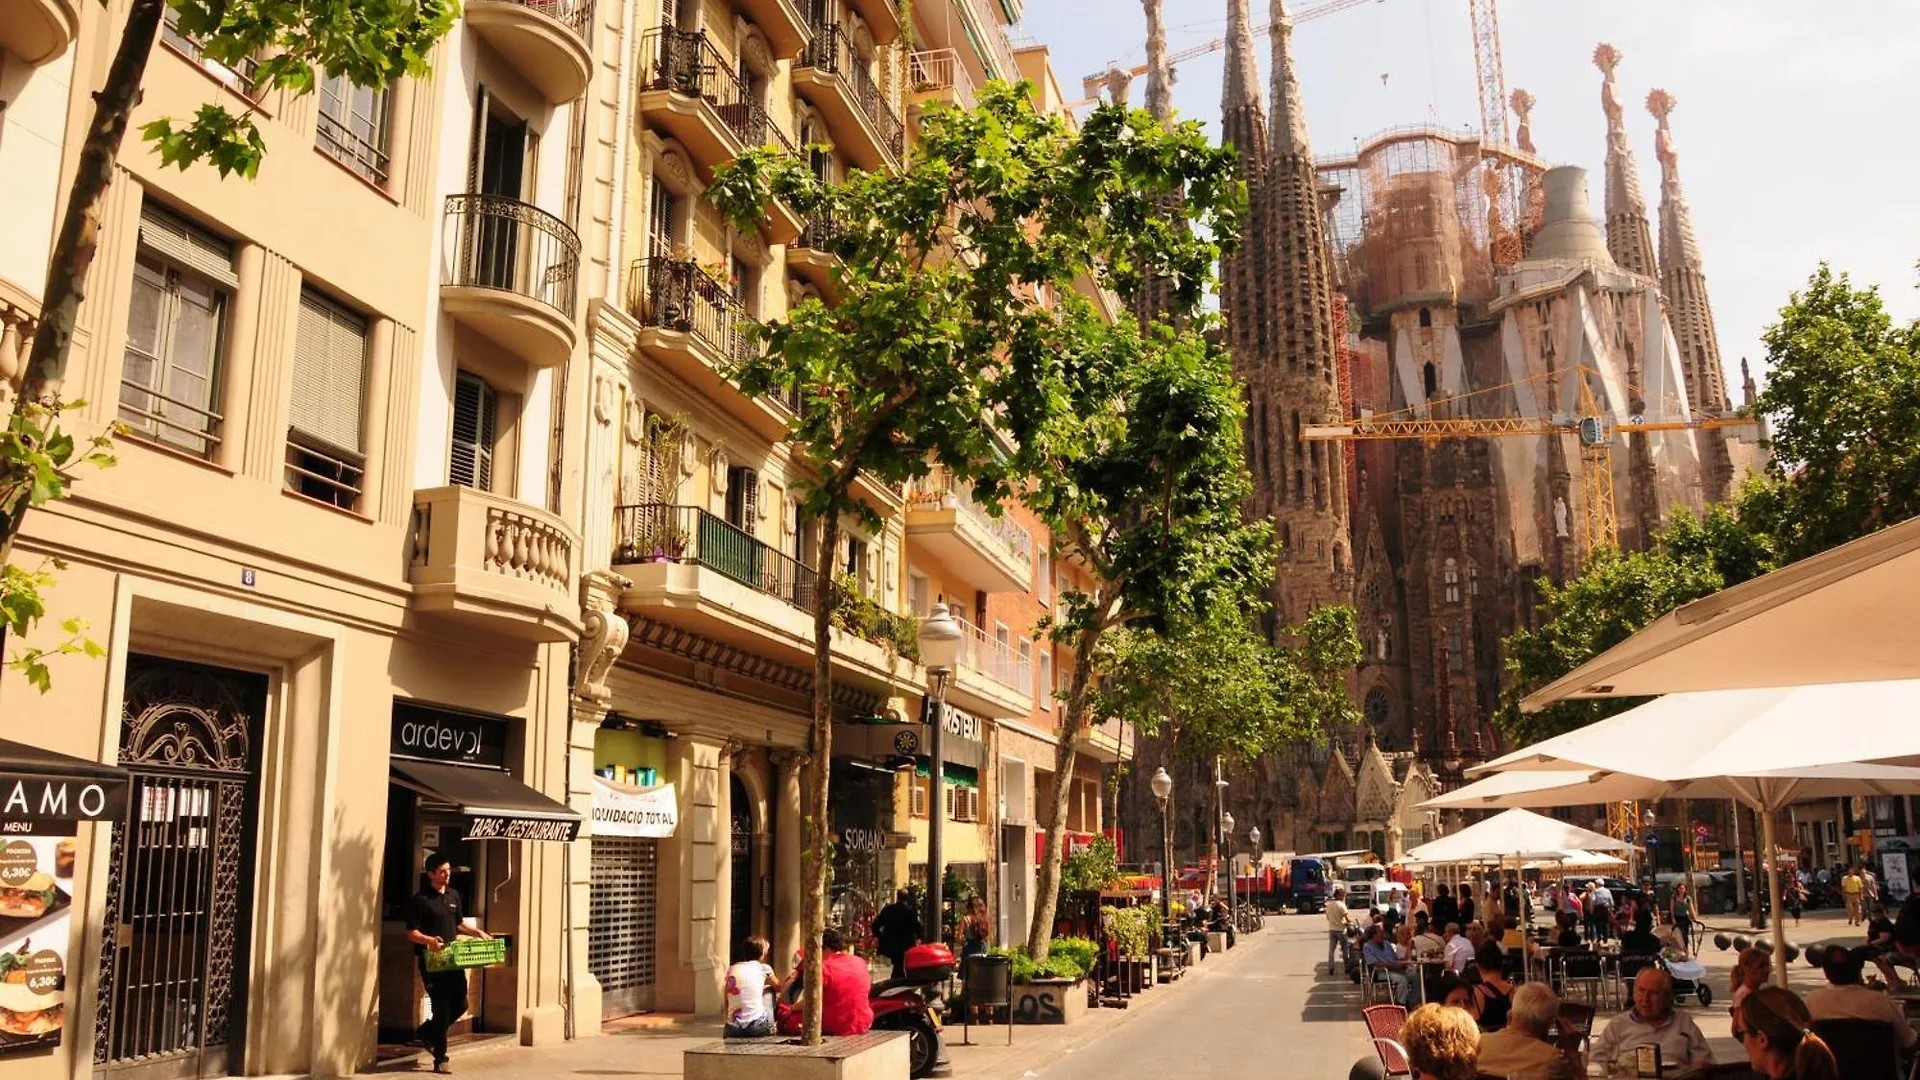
1054	813
815	904
79	237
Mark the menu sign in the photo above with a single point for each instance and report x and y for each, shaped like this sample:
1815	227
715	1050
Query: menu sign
36	908
38	805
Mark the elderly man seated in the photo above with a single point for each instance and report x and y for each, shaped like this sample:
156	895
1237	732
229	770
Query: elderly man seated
1386	962
1521	1050
1845	998
1653	1021
1459	950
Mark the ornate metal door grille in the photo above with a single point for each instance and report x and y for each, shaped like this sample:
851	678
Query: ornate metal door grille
620	923
169	1000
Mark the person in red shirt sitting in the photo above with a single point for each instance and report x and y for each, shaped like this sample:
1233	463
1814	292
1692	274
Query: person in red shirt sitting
844	1007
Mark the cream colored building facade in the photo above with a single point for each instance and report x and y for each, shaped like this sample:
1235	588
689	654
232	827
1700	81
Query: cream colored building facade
431	480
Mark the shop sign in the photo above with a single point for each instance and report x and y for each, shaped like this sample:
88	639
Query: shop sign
437	735
503	827
52	805
621	810
965	743
36	909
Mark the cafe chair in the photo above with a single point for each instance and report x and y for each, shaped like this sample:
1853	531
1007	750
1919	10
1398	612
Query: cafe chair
1572	1027
1383	1027
1864	1049
1581	967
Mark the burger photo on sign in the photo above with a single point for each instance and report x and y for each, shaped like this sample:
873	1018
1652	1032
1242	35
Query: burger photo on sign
26	1012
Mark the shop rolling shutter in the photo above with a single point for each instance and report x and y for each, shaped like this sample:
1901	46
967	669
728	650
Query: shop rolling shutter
190	247
329	373
620	926
475	408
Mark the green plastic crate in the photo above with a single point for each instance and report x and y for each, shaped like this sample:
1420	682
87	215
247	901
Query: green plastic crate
468	952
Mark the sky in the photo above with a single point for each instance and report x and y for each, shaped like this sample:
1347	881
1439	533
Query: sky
1793	122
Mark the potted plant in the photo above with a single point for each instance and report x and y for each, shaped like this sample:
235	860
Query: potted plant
1054	990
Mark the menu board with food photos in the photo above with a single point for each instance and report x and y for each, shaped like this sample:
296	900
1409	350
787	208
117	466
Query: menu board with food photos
36	908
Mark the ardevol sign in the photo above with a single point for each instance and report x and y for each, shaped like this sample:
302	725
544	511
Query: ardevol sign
437	735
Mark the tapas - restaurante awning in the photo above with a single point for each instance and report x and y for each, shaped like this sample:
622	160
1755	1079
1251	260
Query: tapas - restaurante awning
496	806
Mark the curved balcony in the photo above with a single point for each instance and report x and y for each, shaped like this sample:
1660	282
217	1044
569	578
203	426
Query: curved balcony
545	40
495	562
781	21
38	31
511	273
835	78
692	324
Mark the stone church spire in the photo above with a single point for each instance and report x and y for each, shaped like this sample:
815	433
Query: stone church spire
1683	279
1629	238
1244	300
1159	72
1289	112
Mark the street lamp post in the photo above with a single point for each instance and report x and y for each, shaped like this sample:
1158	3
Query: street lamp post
940	637
1253	856
1219	816
1162	785
1226	842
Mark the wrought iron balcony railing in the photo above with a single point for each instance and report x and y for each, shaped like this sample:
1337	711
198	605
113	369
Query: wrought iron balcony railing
494	242
678	294
661	532
832	53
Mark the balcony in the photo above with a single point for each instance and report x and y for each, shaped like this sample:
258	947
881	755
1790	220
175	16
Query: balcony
938	75
547	41
812	255
883	19
494	562
691	92
836	79
991	554
696	571
693	325
510	273
991	679
782	23
38	31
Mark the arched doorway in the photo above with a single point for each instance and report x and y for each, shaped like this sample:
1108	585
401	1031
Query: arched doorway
741	861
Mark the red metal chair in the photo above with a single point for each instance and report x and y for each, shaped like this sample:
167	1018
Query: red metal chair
1383	1026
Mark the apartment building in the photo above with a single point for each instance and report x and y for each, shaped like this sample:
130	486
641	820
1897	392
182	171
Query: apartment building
437	526
334	571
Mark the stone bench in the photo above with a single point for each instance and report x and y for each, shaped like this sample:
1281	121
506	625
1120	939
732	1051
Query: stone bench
877	1055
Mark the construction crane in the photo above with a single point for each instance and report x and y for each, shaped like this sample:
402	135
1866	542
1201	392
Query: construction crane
1594	427
1116	75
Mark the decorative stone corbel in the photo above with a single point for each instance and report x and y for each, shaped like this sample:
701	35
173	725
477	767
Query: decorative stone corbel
605	634
634	422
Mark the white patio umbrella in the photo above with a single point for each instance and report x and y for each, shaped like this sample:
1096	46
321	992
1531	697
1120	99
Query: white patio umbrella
1578	860
1658	751
1843	615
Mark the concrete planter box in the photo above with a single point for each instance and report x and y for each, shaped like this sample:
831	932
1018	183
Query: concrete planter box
1216	941
1048	1001
877	1055
1193	953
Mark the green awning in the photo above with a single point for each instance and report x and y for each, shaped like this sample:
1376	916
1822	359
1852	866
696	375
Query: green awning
955	775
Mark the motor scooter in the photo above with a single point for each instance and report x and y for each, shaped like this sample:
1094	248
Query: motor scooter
901	1003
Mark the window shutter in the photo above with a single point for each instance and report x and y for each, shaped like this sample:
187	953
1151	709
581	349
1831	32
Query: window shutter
917	801
329	373
190	247
474	410
949	801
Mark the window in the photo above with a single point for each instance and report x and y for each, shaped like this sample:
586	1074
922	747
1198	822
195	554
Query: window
353	127
962	803
1046	680
661	216
1043	576
1426	317
1456	656
919	594
325	452
238	80
1026	658
917	796
856	565
176	326
1450	577
743	498
1431	378
476	414
1473	580
1002	638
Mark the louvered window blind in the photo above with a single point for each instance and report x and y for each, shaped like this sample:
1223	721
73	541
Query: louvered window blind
325	441
476	410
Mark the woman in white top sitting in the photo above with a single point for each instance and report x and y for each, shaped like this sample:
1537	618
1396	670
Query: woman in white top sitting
751	987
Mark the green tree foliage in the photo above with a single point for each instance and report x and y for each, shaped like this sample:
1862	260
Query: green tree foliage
371	42
957	321
1843	405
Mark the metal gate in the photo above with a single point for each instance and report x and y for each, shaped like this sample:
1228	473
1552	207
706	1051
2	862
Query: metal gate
620	923
170	993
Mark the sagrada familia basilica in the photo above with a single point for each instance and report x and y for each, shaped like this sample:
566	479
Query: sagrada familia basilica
1545	370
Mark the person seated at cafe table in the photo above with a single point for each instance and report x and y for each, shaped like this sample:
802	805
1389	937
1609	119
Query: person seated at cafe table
1653	1021
1846	998
1459	950
1442	1043
1522	1050
1387	962
1641	939
1426	943
1569	937
1777	1031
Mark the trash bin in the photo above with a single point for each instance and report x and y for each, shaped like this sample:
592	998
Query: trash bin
988	981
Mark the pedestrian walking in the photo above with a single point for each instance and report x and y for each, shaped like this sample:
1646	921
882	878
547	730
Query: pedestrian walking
1684	913
896	929
433	920
1336	912
1852	888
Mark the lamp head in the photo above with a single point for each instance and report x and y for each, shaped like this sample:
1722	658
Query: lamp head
940	638
1226	823
1162	784
1253	836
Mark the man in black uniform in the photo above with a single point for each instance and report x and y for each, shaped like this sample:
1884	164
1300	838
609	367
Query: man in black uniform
433	920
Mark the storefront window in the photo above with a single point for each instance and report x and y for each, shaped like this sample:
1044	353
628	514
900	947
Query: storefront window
861	809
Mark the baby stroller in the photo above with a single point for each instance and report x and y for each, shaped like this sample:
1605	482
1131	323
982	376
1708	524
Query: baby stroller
1689	977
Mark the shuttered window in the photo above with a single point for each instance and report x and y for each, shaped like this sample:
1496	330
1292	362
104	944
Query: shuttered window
917	799
176	329
1046	679
325	445
476	411
743	498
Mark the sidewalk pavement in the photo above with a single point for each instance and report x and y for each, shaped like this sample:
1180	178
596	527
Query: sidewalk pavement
652	1045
